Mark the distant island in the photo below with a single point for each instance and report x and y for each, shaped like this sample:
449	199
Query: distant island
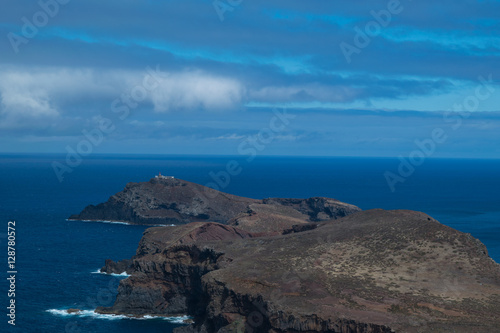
277	265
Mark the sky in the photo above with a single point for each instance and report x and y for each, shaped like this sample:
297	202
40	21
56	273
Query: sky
283	77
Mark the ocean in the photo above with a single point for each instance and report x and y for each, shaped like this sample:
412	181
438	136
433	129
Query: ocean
57	261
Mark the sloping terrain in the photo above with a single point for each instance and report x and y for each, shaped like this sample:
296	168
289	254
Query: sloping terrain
372	271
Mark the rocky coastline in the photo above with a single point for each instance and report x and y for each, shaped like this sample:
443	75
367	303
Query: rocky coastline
303	265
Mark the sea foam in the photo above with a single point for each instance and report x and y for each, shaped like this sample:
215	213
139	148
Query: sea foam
122	274
100	221
125	223
93	314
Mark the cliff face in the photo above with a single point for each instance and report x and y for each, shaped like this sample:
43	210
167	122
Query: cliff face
175	201
373	271
166	201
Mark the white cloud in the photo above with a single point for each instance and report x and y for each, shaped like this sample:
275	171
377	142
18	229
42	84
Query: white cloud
27	93
22	96
34	93
196	89
50	92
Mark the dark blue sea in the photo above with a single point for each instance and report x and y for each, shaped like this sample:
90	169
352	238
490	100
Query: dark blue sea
56	259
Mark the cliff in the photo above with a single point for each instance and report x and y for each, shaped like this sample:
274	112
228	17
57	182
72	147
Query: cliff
371	271
175	201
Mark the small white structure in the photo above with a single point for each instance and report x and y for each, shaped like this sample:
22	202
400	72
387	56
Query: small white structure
160	176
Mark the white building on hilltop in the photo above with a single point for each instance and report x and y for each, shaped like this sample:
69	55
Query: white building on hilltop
160	176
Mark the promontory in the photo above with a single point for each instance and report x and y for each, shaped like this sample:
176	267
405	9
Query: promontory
277	265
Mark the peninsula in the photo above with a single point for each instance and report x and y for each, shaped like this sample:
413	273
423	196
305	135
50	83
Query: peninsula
167	200
296	265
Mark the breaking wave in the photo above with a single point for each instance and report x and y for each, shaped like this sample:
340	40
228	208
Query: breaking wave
93	314
122	274
112	222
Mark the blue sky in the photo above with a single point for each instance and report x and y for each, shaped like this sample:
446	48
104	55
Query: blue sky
368	78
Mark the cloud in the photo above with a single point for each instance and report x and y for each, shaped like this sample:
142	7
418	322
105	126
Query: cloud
232	136
22	96
284	52
38	92
197	90
46	92
53	92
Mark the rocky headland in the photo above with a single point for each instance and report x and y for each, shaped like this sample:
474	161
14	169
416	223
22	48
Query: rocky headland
165	201
318	266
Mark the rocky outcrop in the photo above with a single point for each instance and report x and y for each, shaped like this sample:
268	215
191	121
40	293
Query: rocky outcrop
317	208
372	271
111	267
163	201
166	201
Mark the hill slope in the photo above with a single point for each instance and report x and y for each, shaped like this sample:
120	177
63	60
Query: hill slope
372	271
